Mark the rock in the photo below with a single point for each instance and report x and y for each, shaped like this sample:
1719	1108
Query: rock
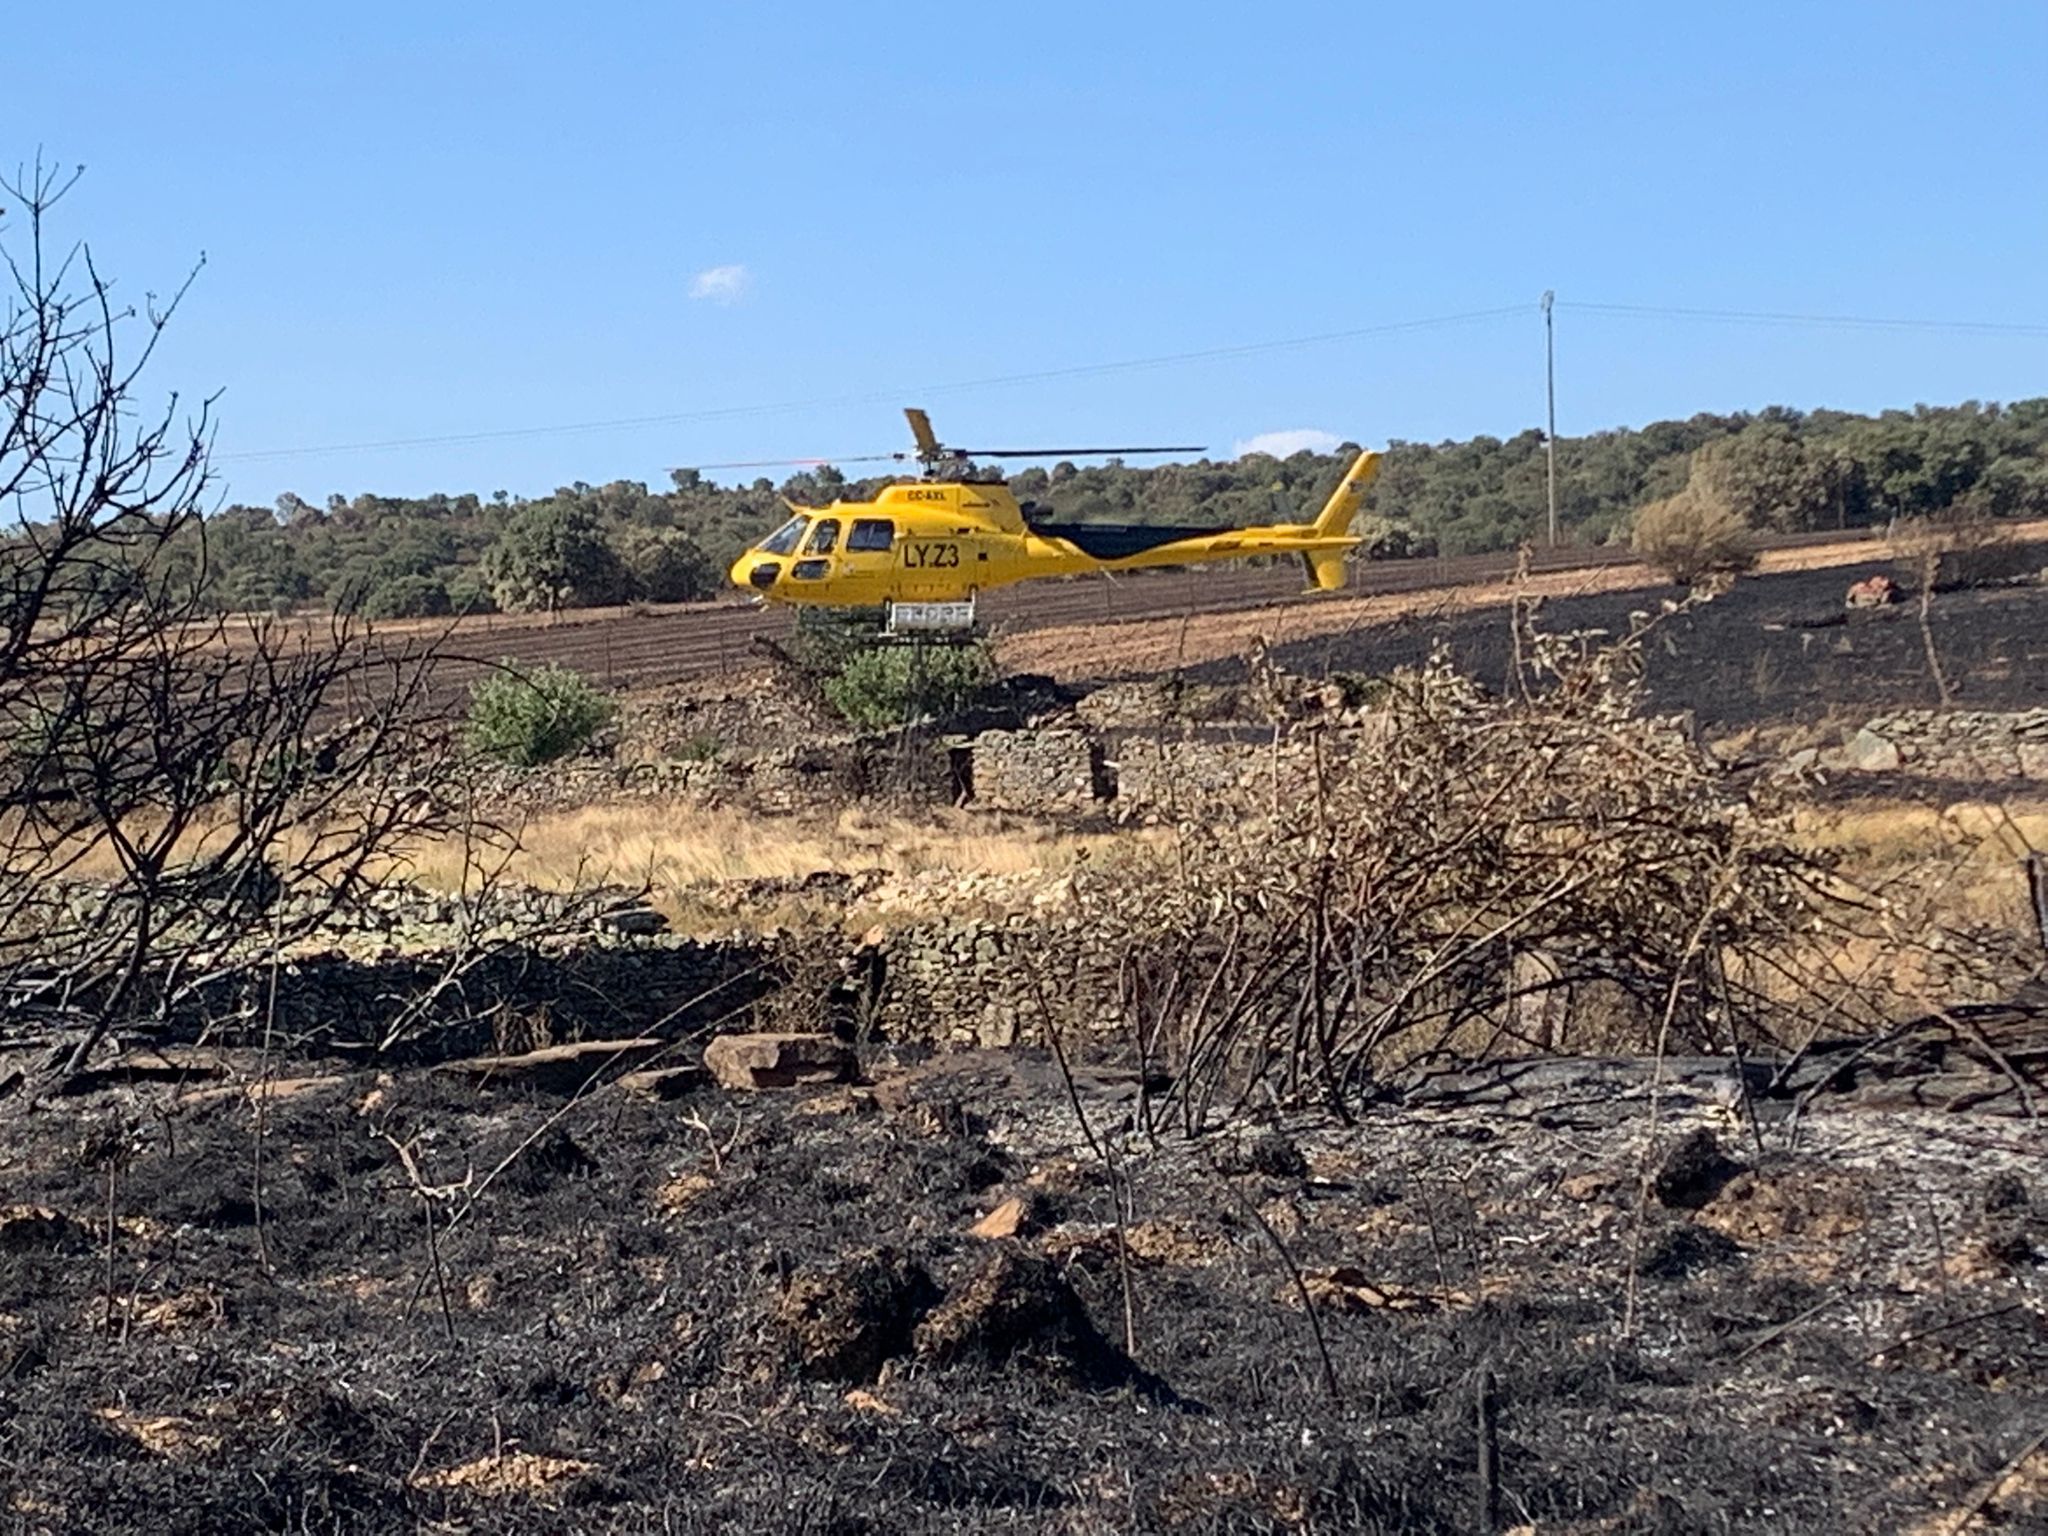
837	1101
1868	752
663	1083
1693	1173
1873	592
2033	760
1348	1288
558	1068
1012	1218
264	1090
778	1060
841	1323
1592	1185
176	1068
639	921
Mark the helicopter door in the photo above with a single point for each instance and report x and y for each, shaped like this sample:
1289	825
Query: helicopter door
814	560
867	558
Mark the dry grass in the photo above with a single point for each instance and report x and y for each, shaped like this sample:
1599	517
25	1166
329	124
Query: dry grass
676	849
1973	848
1955	868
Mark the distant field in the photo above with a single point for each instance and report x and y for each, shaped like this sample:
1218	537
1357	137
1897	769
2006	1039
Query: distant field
649	646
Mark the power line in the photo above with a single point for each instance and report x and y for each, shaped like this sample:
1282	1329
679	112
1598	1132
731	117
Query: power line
1129	365
1848	322
725	413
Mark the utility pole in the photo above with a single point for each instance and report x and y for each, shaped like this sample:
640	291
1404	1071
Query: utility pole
1550	393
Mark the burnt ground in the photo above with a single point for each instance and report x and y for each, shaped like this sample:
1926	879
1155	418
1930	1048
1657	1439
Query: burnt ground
1776	648
767	1313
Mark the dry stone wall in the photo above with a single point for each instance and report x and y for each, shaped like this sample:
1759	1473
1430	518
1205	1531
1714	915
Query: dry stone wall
787	779
1159	773
1977	746
995	981
431	1005
1174	776
1048	770
991	981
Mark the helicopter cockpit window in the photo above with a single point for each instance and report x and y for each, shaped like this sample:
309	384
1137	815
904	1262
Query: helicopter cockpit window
824	534
783	541
870	535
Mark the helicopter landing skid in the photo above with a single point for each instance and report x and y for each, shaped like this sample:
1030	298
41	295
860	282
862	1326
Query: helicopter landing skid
920	619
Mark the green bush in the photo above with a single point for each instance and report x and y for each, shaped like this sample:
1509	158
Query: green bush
529	718
896	684
823	640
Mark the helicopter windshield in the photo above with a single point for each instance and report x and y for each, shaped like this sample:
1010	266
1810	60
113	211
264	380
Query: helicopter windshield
783	541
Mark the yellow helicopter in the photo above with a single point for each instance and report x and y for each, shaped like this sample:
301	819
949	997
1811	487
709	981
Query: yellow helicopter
924	549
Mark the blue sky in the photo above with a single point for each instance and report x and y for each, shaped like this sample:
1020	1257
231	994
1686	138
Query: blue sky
426	221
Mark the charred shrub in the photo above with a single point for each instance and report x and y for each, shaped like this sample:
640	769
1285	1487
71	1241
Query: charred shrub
1013	1305
1327	920
1695	1171
841	1323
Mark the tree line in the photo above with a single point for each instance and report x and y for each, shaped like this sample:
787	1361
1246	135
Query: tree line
1779	470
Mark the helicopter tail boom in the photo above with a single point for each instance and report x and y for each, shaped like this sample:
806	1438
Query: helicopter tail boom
1334	521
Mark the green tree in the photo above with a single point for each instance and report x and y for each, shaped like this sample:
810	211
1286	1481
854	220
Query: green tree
550	556
1768	478
1779	470
406	597
666	566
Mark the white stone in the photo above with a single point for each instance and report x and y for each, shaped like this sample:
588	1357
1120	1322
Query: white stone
1868	752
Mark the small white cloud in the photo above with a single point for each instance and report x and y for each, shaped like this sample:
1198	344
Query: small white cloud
721	285
1291	441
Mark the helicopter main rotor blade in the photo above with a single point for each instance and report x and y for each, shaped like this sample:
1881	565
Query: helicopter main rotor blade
1067	453
921	429
857	458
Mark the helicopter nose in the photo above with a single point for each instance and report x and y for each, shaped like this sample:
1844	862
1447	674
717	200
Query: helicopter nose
751	570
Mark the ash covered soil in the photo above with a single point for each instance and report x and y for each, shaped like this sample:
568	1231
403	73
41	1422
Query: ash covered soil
610	1312
1776	647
